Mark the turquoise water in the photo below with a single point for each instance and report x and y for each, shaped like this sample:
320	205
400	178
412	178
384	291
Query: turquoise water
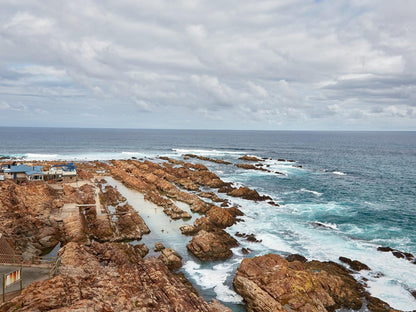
360	185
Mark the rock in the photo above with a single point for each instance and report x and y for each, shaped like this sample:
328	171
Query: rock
281	159
296	257
399	254
218	307
248	237
109	277
270	283
250	158
226	188
246	251
27	214
188	230
158	247
218	161
212	245
385	249
171	259
57	203
221	217
355	264
252	167
141	249
246	193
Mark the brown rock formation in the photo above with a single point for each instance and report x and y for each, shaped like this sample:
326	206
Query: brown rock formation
110	277
171	259
221	217
212	245
270	283
218	161
399	254
250	158
355	264
246	193
26	216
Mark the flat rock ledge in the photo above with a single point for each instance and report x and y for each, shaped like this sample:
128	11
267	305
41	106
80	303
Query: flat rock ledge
272	284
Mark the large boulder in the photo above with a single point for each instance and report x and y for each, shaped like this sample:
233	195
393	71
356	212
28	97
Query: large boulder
212	245
221	217
247	193
272	284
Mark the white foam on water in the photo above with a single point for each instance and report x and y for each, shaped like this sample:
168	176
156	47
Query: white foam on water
214	278
339	173
400	274
311	208
280	233
389	290
206	152
33	156
85	156
275	243
302	190
327	225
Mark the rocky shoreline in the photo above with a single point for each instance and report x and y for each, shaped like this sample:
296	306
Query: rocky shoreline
101	271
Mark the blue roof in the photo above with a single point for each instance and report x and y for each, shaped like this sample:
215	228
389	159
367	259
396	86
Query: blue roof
66	167
26	169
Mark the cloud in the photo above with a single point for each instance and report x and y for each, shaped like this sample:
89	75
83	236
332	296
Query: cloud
266	64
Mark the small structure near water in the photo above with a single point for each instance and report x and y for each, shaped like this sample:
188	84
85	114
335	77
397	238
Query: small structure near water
21	172
61	172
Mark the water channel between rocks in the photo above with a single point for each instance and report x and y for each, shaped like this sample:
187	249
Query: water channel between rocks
209	279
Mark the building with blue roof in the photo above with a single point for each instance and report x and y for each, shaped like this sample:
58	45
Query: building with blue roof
23	172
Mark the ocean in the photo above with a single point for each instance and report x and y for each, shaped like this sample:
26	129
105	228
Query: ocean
346	194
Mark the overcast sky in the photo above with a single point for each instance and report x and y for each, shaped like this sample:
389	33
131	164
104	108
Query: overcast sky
282	64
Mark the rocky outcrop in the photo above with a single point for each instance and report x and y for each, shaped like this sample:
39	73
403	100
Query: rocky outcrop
221	217
296	257
398	254
213	245
218	161
249	237
271	283
110	277
170	258
355	264
250	158
247	193
26	217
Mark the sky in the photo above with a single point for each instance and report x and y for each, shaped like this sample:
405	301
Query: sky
229	64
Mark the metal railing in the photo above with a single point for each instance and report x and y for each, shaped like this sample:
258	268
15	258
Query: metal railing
8	259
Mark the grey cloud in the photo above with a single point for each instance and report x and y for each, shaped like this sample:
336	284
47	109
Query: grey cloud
272	64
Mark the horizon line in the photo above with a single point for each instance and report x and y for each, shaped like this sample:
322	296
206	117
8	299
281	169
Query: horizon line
205	129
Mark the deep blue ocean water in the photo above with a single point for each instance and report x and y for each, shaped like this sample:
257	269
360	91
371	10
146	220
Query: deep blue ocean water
360	185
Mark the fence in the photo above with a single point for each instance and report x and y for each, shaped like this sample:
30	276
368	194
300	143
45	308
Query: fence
8	259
